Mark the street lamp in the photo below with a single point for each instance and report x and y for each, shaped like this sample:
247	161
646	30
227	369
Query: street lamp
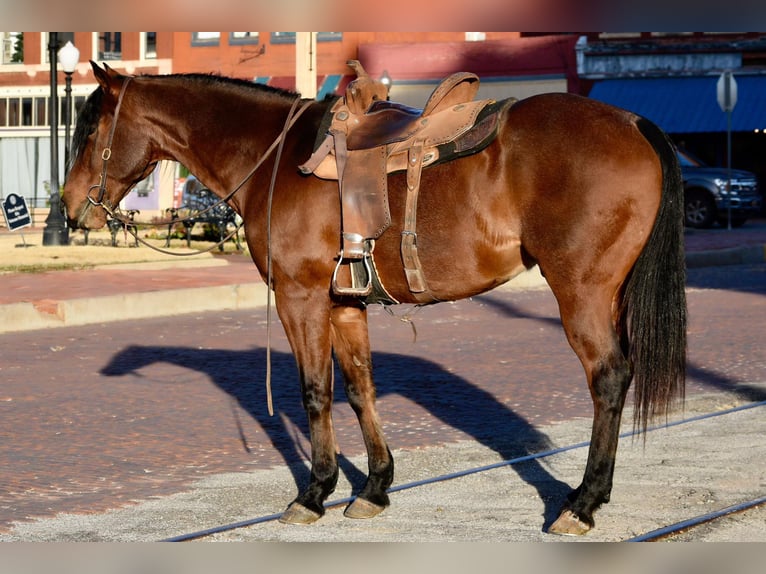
385	79
68	58
56	231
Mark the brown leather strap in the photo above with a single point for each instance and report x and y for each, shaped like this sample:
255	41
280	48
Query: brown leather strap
413	270
106	154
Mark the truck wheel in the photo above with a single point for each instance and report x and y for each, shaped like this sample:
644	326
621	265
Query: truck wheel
699	210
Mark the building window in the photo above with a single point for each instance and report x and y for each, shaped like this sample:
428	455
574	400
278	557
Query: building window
243	38
148	46
283	37
206	38
26	112
11	47
329	36
32	111
41	111
110	45
289	37
14	116
22	112
61	39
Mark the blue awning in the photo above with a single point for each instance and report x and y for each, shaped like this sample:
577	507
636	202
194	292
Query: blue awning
686	105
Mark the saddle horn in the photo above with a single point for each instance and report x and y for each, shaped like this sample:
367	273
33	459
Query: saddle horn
363	90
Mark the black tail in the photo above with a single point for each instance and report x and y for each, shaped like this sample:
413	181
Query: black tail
654	300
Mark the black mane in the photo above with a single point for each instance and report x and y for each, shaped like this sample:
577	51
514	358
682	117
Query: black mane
87	120
215	79
89	113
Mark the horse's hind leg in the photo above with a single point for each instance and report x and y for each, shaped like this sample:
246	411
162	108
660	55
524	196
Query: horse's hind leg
351	344
591	332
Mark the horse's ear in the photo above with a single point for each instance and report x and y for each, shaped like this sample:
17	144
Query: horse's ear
101	76
105	76
112	73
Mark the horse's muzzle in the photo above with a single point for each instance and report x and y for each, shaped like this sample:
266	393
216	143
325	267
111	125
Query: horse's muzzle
86	217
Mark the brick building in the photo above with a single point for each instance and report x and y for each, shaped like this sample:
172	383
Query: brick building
651	73
508	62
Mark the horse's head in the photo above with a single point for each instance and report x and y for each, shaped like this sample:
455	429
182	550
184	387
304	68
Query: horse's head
111	151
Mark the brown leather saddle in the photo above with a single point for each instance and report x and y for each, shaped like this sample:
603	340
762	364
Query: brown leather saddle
368	138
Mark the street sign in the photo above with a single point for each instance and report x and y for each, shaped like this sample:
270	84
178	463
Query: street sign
726	91
16	212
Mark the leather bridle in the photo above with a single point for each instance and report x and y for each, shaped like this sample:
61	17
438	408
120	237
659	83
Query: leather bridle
106	155
277	144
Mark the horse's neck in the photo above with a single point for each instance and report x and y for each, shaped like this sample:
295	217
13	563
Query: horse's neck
209	141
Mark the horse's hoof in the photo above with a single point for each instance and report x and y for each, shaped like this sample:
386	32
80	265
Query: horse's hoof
361	508
568	524
299	514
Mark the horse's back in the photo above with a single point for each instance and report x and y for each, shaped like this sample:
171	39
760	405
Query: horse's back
566	130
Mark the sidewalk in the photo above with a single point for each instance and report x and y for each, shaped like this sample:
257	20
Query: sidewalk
127	282
657	483
123	282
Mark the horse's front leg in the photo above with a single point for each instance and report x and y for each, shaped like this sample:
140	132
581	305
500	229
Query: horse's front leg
306	320
351	343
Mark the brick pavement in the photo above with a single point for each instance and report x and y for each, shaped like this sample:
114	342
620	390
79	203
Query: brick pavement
98	417
91	430
44	289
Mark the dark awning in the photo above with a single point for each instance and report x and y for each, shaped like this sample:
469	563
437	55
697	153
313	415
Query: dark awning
686	105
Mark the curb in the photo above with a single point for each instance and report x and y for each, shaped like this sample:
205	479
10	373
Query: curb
28	316
751	254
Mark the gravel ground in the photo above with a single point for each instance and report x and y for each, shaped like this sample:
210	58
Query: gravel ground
664	481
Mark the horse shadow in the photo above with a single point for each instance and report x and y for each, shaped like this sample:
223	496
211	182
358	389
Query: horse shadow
450	398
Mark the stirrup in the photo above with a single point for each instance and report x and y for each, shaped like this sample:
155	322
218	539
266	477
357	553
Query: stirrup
353	291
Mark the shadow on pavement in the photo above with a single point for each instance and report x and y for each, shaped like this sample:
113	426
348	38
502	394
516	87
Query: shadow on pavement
726	384
449	398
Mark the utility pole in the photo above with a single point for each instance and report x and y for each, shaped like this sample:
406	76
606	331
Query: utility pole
306	64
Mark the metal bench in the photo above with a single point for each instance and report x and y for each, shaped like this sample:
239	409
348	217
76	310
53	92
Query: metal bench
202	206
115	225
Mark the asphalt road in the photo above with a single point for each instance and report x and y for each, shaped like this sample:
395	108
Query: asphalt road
101	417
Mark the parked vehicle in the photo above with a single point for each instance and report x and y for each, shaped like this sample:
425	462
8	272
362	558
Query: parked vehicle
706	199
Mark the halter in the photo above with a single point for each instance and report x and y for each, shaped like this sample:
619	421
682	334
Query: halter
278	143
106	155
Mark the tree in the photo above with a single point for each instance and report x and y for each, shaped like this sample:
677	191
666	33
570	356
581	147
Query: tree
18	49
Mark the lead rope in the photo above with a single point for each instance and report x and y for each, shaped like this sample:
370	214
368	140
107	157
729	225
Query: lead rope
129	231
106	155
285	129
292	117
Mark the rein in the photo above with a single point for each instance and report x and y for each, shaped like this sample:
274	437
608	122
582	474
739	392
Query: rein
281	140
106	155
277	144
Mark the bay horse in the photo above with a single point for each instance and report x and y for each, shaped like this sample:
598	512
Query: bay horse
590	193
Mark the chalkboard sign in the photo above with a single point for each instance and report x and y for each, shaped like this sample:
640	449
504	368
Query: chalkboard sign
16	212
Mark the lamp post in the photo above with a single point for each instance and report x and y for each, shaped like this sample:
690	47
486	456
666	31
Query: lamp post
55	231
69	55
385	79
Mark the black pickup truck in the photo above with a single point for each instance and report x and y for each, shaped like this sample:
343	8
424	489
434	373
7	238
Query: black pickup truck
706	198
